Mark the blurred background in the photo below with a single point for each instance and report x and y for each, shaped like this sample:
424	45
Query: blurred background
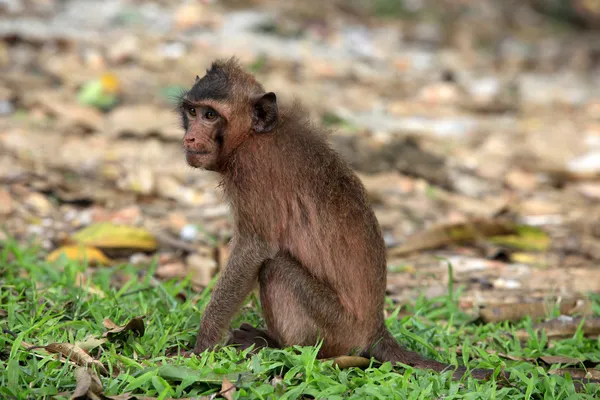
474	125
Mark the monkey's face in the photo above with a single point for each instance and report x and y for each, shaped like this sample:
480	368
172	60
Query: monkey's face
204	132
221	111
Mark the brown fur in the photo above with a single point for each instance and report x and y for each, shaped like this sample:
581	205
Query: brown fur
303	229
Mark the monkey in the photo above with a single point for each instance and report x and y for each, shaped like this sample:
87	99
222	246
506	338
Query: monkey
304	230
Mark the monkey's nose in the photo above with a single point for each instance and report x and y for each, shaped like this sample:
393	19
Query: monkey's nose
189	139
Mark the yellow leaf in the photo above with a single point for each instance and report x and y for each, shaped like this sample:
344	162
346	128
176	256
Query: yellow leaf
527	238
80	253
107	235
110	83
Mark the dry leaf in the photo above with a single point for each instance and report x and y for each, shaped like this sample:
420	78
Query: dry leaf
227	389
77	355
561	360
443	235
88	385
527	238
91	343
106	235
344	362
81	254
135	325
82	282
108	324
535	309
578	373
564	327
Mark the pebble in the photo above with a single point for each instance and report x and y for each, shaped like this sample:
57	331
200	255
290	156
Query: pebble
587	163
189	232
203	268
6	203
39	204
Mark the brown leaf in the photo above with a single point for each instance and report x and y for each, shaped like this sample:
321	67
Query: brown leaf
88	385
578	373
108	324
344	362
563	327
227	389
135	325
77	355
561	360
536	309
443	235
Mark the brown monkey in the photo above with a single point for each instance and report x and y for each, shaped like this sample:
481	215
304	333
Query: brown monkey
303	227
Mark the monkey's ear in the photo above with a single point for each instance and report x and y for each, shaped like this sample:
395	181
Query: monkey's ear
197	79
265	113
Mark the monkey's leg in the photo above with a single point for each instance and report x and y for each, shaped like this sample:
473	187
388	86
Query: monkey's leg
300	310
234	284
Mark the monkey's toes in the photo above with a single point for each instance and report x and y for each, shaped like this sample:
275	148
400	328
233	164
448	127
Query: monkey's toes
248	335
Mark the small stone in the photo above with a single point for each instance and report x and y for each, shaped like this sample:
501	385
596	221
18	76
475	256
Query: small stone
589	190
587	163
6	203
439	93
189	232
139	258
521	180
501	283
124	49
172	270
39	204
203	268
189	15
140	180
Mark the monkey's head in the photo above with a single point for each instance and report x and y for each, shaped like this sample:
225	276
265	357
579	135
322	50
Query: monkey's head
220	111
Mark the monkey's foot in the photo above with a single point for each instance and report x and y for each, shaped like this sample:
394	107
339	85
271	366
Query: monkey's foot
174	352
248	335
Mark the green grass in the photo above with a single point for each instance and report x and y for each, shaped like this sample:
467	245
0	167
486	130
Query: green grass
42	304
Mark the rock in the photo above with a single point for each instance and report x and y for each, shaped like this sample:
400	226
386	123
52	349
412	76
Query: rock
143	120
175	222
172	270
190	15
203	268
170	188
139	180
39	204
73	113
439	93
189	233
6	203
587	163
124	49
126	216
521	180
589	189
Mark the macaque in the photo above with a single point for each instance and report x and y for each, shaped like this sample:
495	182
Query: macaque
303	227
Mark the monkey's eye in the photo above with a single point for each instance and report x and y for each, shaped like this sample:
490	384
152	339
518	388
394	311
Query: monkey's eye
192	111
210	115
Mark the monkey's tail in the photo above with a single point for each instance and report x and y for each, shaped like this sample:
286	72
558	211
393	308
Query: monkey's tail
386	348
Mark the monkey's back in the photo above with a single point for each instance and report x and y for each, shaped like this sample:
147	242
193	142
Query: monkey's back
314	207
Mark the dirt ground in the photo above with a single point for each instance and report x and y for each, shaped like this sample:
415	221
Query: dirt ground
474	125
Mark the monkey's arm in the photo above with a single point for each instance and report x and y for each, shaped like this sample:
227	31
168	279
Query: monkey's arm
233	286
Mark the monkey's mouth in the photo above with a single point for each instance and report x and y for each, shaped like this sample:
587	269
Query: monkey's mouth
197	152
